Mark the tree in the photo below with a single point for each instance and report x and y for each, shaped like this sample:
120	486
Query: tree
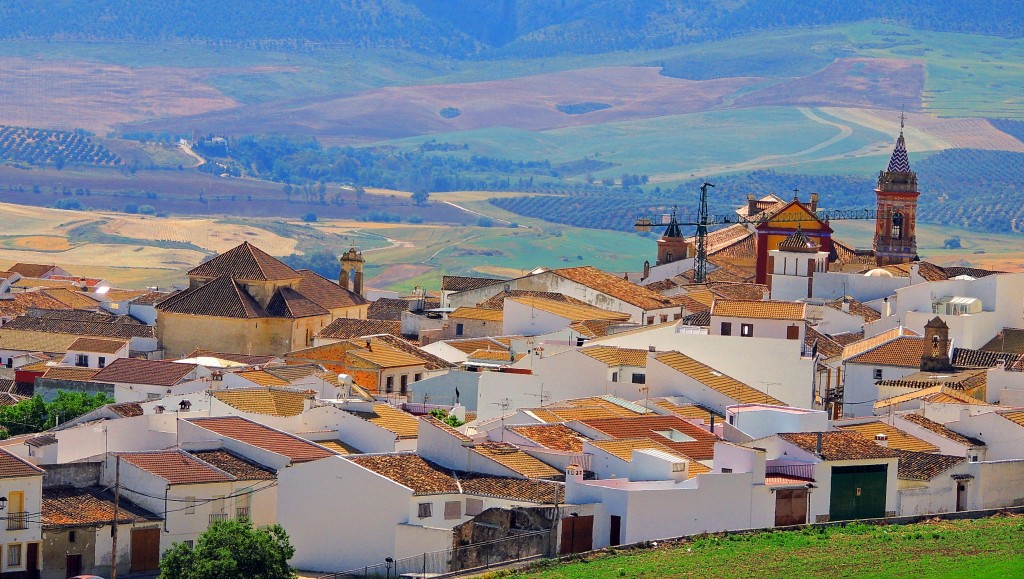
420	197
231	549
309	217
35	415
952	242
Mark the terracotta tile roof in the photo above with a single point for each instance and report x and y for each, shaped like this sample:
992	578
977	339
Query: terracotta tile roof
699	319
387	309
469	345
175	466
70	373
846	338
898	439
446	427
500	356
856	308
937	394
476	314
12	466
326	293
594	328
954	271
965	380
716	380
400	422
221	297
780	479
700	448
87	281
904	351
98	345
269	401
719	240
427	478
967	358
8	399
839	445
940	429
827	347
739	291
126	409
294	372
553	436
237	466
622	448
255	434
151	298
36	282
262	377
513	458
19	303
41	440
661	286
245	262
75	299
689	411
614	286
569	311
854	348
248	359
549	414
139	371
497	301
289	303
620	406
924	466
928	271
612	356
458	283
67	506
1007	340
758	309
31	269
81	328
347	328
339	447
1015	416
84	316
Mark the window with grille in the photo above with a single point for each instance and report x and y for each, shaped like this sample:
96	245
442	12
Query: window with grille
474	507
452	510
14	555
424	510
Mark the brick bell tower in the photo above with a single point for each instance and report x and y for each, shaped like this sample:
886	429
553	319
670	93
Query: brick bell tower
673	245
896	198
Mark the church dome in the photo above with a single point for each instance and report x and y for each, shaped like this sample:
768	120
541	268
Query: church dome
878	272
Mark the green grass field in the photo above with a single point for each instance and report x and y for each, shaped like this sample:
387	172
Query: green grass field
970	548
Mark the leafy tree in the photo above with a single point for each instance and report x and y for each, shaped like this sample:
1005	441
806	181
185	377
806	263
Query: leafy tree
449	419
35	415
420	197
231	550
952	242
309	217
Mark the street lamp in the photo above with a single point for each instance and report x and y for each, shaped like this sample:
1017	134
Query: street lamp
389	561
3	503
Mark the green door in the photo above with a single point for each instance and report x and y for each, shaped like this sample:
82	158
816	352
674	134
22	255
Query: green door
858	492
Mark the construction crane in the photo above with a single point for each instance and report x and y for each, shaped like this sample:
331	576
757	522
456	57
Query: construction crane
704	220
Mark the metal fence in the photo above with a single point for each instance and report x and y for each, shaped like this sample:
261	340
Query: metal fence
475	556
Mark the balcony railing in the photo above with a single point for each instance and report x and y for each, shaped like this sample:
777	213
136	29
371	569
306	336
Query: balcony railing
218	517
242	513
17	521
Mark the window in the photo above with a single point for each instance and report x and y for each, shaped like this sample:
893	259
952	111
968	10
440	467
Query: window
897	225
677	316
14	555
452	510
650	320
102	362
460	329
82	361
389	384
71	536
615	376
190	505
664	318
747	330
878	374
404	384
726	328
424	510
417	377
793	332
474	507
10	362
726	470
189	543
639	379
974	458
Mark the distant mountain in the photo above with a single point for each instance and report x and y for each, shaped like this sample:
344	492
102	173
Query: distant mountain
478	27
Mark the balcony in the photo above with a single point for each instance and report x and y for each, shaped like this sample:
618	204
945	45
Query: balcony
218	517
242	513
17	521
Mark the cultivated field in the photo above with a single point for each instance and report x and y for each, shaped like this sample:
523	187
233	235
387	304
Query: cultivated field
204	233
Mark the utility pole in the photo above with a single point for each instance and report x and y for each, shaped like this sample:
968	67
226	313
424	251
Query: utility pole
117	502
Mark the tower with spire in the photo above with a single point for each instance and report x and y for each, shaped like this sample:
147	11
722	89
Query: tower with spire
673	245
896	198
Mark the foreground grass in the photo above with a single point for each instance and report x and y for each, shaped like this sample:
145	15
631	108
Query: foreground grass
970	548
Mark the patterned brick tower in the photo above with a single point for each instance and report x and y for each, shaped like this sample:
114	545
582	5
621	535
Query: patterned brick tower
896	198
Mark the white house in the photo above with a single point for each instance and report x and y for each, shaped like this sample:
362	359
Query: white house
532	316
756	318
136	379
21	491
95	352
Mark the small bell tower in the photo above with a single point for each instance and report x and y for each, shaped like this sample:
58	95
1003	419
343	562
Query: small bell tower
352	267
935	350
673	246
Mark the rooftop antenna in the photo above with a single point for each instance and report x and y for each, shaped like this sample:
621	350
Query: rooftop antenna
505	404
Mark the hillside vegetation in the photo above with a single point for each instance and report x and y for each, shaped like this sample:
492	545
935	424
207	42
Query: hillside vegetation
967	548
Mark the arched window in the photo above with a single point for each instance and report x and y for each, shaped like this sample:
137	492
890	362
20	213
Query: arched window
897	225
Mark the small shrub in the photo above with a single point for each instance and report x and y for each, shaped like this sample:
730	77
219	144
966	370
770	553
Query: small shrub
450	112
484	222
309	217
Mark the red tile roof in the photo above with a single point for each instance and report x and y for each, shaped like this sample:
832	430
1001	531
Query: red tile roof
175	466
839	445
237	466
221	297
254	434
614	286
326	293
245	262
90	506
347	328
140	371
700	448
12	466
97	345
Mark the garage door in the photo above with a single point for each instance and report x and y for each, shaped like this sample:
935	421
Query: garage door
858	492
145	549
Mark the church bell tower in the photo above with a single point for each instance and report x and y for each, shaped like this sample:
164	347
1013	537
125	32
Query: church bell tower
896	198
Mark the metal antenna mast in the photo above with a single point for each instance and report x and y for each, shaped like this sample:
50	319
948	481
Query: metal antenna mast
700	264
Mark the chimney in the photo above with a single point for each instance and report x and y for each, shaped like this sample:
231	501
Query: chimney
814	202
846	305
751	205
711	427
882	440
651	349
817	444
887	308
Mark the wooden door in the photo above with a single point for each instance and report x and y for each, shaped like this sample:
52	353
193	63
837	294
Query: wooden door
145	550
790	507
73	565
858	492
961	496
615	532
577	534
32	561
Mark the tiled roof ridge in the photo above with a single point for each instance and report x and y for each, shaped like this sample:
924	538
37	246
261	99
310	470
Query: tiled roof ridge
246	262
194	299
